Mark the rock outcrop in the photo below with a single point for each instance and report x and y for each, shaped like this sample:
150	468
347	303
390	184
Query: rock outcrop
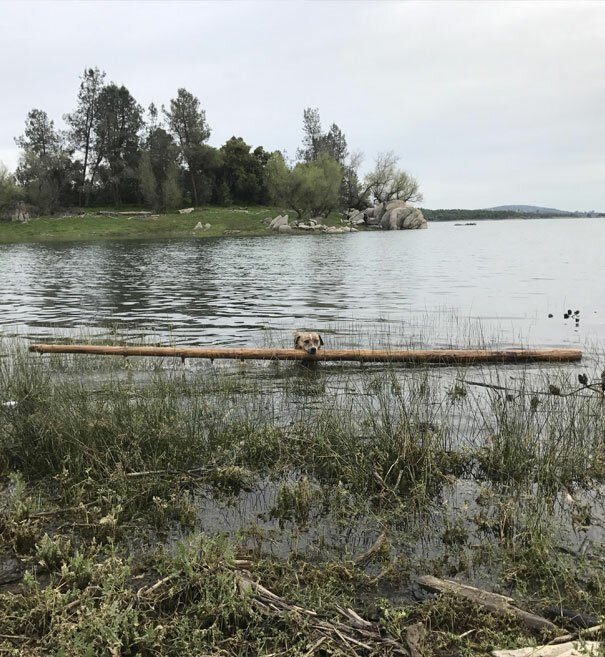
278	221
394	215
398	215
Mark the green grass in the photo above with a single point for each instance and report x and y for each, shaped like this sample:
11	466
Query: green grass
94	226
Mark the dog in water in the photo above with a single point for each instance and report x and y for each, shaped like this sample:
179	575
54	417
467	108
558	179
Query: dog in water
308	341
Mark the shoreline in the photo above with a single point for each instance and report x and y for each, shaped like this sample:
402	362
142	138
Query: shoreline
95	225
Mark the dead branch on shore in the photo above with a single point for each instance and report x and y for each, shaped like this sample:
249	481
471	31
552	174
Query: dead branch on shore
499	604
571	649
352	634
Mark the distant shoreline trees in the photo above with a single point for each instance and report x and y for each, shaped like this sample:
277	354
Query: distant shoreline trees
112	153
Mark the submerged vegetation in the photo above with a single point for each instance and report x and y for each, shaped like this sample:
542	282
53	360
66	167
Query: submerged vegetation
154	508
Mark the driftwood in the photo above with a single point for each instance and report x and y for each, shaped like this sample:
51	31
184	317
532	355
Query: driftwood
375	548
109	213
352	634
573	649
589	631
499	604
413	356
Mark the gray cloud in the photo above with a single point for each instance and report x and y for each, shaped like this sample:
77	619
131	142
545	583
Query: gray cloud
485	103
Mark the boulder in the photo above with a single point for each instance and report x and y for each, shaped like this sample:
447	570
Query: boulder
379	211
396	203
402	216
304	226
284	228
355	216
279	221
186	210
360	222
199	226
207	226
20	213
369	212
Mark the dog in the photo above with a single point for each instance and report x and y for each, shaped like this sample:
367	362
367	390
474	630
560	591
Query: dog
308	341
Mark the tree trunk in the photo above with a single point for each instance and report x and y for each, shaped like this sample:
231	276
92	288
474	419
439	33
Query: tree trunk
193	187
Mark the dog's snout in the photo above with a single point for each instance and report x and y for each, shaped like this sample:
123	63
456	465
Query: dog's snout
313	350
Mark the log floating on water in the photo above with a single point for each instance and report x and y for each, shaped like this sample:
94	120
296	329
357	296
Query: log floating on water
414	356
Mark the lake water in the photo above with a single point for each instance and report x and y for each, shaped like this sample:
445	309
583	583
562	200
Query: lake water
502	278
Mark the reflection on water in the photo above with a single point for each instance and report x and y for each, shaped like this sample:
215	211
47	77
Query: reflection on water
507	274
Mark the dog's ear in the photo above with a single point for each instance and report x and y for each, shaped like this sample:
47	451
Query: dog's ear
297	337
321	342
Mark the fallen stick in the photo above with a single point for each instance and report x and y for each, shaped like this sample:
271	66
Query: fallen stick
415	356
375	548
354	631
581	633
499	604
575	649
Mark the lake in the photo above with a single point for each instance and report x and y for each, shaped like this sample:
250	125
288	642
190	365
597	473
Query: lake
500	279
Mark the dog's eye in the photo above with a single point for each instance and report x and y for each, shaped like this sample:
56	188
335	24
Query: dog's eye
306	342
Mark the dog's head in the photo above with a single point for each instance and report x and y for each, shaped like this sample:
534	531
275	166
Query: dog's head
309	342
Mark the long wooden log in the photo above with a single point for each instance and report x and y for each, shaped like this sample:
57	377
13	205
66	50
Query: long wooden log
434	356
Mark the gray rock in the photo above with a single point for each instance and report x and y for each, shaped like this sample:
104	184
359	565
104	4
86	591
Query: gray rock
360	222
396	203
284	228
186	210
369	212
199	226
207	226
20	213
279	221
355	216
402	217
379	211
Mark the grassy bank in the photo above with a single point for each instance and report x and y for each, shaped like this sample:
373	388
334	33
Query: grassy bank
150	508
94	226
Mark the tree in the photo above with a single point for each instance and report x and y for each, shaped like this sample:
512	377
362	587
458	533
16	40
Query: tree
117	141
81	123
261	158
352	194
187	122
309	188
312	136
386	182
333	143
40	137
243	172
45	168
159	171
10	193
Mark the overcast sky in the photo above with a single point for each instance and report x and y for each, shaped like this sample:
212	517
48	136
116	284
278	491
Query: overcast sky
485	103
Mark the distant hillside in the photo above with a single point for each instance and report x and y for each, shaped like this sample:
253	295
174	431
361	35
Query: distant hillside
502	212
528	209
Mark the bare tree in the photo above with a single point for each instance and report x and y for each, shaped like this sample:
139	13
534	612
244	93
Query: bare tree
386	182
